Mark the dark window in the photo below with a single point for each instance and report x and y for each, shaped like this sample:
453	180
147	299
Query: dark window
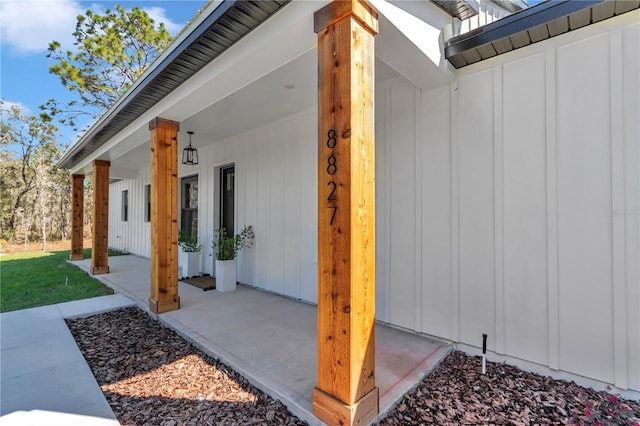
189	207
227	190
147	203
125	205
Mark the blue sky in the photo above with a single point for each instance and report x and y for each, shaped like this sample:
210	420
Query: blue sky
27	27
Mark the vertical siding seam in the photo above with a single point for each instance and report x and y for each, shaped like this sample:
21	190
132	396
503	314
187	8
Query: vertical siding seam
282	181
254	162
631	41
240	200
417	143
387	196
268	265
284	142
617	203
498	209
552	211
455	216
299	220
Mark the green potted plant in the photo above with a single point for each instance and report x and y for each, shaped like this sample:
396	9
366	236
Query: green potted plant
189	254
227	248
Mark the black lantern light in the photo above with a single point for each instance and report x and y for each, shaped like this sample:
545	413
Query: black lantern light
190	154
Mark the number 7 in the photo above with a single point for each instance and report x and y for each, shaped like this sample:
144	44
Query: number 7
333	216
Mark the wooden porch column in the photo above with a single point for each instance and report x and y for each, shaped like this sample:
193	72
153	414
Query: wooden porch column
164	216
100	233
346	393
77	216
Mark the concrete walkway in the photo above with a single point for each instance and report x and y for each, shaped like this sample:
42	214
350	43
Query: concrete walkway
44	379
269	339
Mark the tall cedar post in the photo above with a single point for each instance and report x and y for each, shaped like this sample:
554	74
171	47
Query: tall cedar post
77	216
164	216
346	393
100	233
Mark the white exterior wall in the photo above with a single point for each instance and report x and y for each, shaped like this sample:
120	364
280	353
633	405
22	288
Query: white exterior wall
487	13
507	204
275	189
134	235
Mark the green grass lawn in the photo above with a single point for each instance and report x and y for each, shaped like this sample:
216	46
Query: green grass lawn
37	279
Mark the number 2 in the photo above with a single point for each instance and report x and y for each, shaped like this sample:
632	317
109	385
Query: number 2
333	191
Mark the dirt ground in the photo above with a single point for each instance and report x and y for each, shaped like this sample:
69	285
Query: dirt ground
33	247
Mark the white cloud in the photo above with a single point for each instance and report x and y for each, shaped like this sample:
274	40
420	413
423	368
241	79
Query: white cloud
28	26
158	15
7	105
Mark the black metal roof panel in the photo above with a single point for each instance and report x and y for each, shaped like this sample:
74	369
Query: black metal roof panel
461	9
228	23
529	26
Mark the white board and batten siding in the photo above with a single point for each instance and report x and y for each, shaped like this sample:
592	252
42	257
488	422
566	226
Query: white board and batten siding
276	194
134	235
275	190
507	204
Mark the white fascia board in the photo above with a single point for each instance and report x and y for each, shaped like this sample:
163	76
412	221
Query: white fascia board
283	37
411	43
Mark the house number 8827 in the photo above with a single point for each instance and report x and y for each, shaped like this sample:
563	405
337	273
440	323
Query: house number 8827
332	168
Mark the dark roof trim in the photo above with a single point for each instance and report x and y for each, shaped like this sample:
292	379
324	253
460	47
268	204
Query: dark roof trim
541	22
224	26
461	9
513	24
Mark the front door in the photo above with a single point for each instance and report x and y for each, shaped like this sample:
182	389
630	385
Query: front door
227	185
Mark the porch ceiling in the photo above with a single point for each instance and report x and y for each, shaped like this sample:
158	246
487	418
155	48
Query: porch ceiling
267	75
221	28
289	89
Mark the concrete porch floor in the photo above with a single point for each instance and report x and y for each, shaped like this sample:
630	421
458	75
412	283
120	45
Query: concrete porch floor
271	339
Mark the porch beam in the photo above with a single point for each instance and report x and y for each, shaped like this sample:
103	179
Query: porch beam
100	232
346	393
77	216
164	216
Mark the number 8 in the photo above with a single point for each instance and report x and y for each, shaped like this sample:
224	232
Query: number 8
331	141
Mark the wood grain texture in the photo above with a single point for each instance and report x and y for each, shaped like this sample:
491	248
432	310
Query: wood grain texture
334	412
100	233
164	216
77	214
346	222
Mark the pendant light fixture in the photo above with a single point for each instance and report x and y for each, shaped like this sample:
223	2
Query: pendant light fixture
190	154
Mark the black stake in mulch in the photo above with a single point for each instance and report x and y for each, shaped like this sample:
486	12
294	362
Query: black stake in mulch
484	354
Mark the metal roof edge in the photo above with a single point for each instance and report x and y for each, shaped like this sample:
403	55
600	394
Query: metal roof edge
512	24
179	45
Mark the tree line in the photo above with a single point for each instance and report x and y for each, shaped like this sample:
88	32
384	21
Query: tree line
35	193
110	52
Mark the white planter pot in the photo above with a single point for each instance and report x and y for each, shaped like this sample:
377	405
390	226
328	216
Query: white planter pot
225	275
189	262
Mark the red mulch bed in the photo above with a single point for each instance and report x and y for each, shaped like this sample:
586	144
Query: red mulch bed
152	376
456	393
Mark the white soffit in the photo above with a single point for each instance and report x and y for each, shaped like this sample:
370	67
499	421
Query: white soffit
411	46
257	54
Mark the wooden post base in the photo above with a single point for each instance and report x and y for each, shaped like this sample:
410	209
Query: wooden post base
160	307
99	270
335	412
76	256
